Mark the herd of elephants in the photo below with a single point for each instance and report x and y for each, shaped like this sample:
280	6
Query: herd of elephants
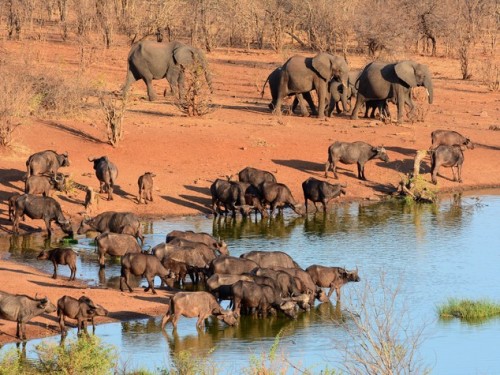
257	282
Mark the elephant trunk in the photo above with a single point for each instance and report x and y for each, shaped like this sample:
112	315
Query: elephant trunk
428	86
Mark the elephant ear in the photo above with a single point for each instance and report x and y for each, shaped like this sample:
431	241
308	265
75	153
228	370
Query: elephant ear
405	71
183	55
323	65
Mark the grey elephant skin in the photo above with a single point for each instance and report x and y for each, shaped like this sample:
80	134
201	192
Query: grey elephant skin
336	89
148	60
304	74
381	81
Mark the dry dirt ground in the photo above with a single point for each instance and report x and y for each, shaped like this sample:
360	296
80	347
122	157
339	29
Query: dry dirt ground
187	154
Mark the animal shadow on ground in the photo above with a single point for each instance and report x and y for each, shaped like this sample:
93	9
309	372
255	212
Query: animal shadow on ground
191	201
401	150
150	113
381	188
199	189
246	107
65	198
301	165
16	271
488	147
127	315
75	132
59	277
161	300
122	193
6	178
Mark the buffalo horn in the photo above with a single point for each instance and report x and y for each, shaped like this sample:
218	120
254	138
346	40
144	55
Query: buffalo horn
91	159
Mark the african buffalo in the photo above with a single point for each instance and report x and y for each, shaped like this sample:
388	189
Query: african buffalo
279	196
232	265
44	184
255	176
46	162
205	238
253	198
82	309
253	296
221	284
195	304
62	256
331	277
37	207
305	284
447	156
115	244
230	195
286	283
21	309
145	183
144	265
321	191
270	259
116	222
350	153
449	138
107	173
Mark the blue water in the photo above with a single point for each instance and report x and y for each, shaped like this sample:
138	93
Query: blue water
429	252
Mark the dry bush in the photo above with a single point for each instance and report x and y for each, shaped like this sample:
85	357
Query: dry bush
489	73
422	106
15	97
113	109
196	100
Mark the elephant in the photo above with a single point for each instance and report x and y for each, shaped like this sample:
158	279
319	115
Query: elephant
304	74
274	82
335	89
149	60
380	81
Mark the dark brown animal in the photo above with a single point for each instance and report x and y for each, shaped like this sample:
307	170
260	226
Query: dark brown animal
270	259
449	138
115	244
331	277
46	162
230	195
232	266
447	156
12	206
107	173
144	265
279	196
116	222
145	183
321	191
221	285
195	304
255	176
178	270
20	308
82	310
44	184
305	284
351	153
45	208
62	256
261	298
285	282
205	238
253	198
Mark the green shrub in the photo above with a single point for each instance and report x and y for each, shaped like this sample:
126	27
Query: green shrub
11	363
469	310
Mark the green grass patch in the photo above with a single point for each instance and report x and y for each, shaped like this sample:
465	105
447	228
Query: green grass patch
469	310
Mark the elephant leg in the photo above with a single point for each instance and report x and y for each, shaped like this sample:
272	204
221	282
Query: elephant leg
128	81
322	100
310	102
359	102
303	109
149	84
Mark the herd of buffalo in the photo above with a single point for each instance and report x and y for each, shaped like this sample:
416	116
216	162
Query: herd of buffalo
258	282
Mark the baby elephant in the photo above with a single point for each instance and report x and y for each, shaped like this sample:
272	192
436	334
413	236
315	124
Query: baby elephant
145	183
63	256
82	309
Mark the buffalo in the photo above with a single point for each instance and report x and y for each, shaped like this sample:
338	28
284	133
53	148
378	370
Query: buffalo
44	184
305	284
449	138
270	259
115	244
21	309
144	265
255	176
229	194
63	256
279	196
321	191
232	265
107	173
45	208
195	304
46	162
116	222
205	238
350	153
447	156
331	277
145	183
82	310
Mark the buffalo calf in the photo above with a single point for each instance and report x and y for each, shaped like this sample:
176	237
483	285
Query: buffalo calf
145	183
447	156
144	265
62	256
82	310
449	138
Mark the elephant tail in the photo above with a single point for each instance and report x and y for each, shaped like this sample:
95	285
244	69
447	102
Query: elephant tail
263	87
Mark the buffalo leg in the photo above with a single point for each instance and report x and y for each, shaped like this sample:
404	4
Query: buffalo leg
49	229
73	272
324	202
151	284
54	276
61	324
459	173
334	169
124	277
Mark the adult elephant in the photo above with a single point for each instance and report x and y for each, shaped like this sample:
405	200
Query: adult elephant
381	81
304	74
148	60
